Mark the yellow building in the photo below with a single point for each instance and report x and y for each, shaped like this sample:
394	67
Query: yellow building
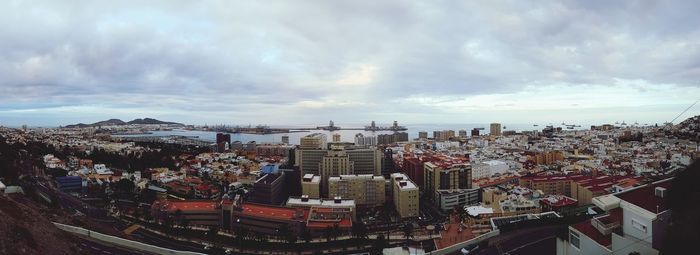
446	176
492	196
365	189
313	141
335	163
311	185
406	197
495	129
546	158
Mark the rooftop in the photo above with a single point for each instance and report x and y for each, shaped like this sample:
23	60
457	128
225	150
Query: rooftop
270	211
558	201
588	229
292	201
186	206
645	197
404	182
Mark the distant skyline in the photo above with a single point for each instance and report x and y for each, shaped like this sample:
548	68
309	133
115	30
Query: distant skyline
307	62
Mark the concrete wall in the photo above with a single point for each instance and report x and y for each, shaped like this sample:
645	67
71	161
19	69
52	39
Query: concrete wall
459	246
121	241
586	246
637	221
626	245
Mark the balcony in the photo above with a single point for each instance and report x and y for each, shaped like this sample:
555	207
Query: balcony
605	224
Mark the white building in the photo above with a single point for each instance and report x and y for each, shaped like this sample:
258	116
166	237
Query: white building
488	168
635	221
102	169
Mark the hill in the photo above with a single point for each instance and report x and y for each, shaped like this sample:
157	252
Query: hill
149	121
118	122
688	129
26	231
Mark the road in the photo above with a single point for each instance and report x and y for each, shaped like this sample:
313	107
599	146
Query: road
540	240
93	247
147	237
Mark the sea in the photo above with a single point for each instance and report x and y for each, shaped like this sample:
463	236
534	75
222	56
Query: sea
346	135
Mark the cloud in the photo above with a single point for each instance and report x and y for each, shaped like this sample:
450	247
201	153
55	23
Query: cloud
358	59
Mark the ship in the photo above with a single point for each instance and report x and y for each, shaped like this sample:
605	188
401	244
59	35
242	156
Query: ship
395	127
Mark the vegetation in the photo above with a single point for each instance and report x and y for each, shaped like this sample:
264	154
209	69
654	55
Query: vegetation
682	234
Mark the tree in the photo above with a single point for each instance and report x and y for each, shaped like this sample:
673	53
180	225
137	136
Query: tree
681	234
386	216
381	242
178	216
359	230
328	233
241	235
336	231
407	231
168	224
306	235
213	231
286	234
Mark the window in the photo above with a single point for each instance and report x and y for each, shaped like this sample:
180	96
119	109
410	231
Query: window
574	239
639	226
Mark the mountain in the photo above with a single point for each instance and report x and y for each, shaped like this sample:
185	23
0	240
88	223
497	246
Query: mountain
109	122
118	122
149	121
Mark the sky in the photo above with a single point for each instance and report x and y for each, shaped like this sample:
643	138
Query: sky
299	62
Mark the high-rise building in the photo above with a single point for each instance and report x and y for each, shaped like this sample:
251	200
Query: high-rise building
285	139
392	138
269	189
406	195
423	135
365	189
495	129
413	168
388	162
462	133
313	141
338	160
366	161
336	138
223	138
475	132
363	140
335	163
443	135
440	175
311	186
223	141
450	184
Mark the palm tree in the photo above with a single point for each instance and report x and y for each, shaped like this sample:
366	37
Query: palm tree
359	230
286	234
306	235
241	235
381	242
336	231
213	231
328	233
386	216
167	224
178	216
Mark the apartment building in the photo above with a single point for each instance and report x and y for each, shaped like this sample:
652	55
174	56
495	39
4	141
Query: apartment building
406	195
311	185
365	189
635	220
